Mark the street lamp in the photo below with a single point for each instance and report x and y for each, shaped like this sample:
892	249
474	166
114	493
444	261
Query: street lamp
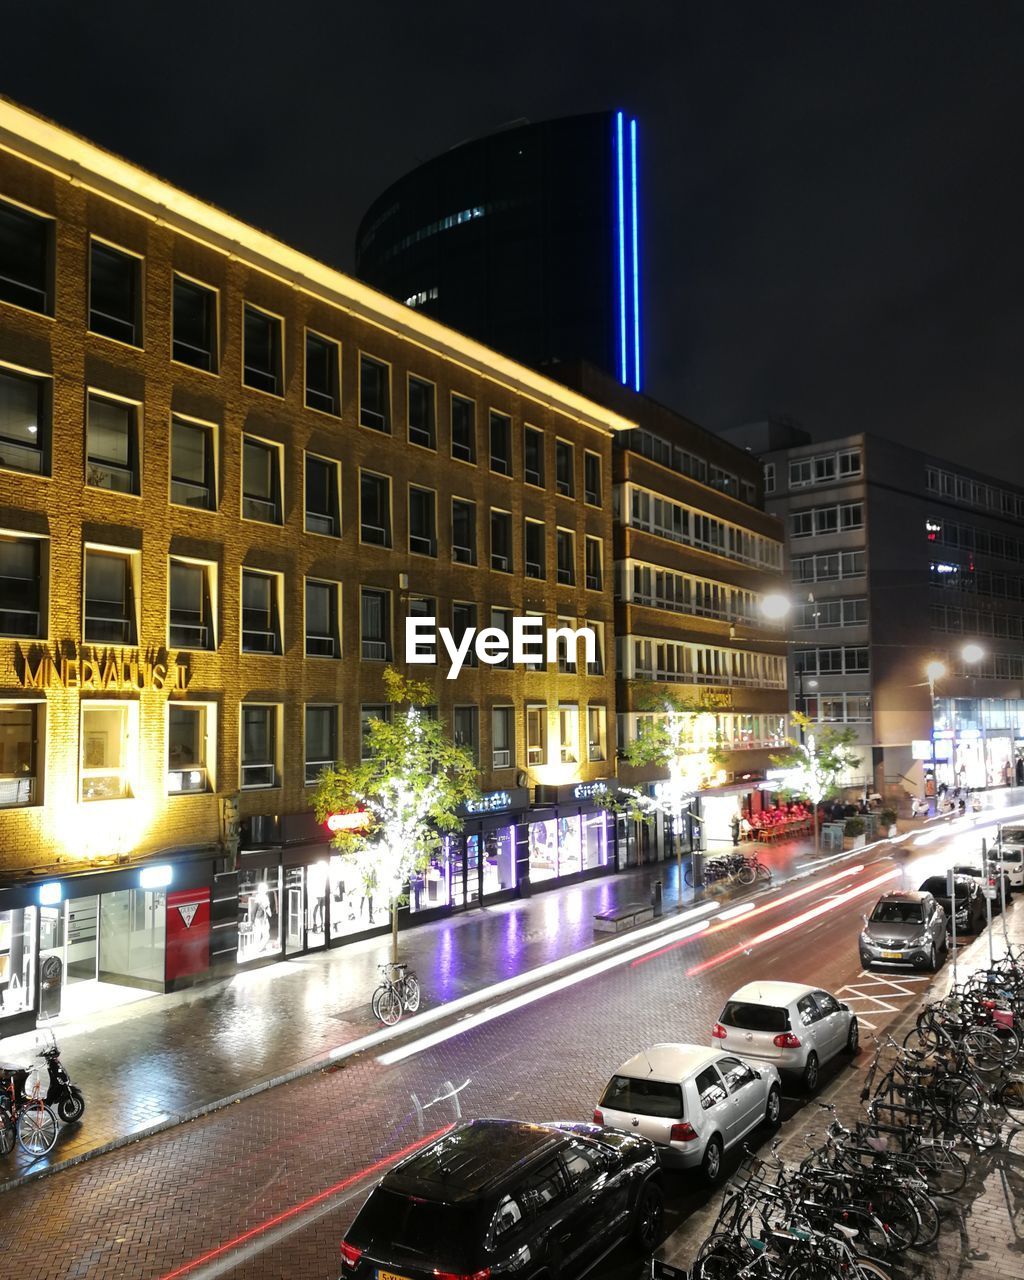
775	606
934	671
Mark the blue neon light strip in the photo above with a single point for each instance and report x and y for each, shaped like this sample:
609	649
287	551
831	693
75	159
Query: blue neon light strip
636	260
620	212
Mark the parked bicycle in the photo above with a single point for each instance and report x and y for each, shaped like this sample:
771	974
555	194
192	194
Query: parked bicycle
398	993
733	868
24	1114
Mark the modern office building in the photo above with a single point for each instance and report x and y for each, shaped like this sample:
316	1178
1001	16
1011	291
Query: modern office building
529	239
906	574
228	474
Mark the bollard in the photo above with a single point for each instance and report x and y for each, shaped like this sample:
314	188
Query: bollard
697	864
656	906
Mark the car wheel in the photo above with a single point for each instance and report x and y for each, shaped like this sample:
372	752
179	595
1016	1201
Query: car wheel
650	1217
773	1109
933	959
810	1076
865	963
853	1038
711	1164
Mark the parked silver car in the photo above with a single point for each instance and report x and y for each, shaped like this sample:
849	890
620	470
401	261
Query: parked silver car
906	927
1008	855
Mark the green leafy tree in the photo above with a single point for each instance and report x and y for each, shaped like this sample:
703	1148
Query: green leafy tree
815	764
409	789
682	739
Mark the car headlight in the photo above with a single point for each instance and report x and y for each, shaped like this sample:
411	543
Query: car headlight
919	941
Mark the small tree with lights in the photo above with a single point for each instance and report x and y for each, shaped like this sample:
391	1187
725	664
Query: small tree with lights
409	789
683	740
814	764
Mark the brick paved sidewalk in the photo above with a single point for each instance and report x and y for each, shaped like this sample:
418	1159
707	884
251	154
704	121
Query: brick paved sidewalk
983	1228
161	1060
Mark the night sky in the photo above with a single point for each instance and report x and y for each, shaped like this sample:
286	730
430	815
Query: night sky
832	191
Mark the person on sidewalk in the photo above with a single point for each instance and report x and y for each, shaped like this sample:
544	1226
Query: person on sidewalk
1020	771
734	826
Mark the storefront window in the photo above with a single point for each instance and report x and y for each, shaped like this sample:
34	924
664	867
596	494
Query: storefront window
595	840
430	887
259	913
570	848
499	860
543	846
316	905
339	875
17	960
294	931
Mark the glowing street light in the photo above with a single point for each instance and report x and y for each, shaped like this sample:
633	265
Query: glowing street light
934	671
775	606
972	652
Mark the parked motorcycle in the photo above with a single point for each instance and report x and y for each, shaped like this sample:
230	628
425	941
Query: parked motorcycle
61	1093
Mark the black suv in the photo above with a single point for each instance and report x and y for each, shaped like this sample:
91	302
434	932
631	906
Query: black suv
507	1198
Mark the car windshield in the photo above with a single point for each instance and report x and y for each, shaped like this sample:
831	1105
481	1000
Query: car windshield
755	1017
897	913
644	1097
445	1236
1009	855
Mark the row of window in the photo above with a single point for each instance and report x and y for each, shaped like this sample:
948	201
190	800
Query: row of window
685	593
845	611
977	622
822	468
984	542
686	464
974	493
679	662
846	659
115	311
733	732
982	582
836	708
817	521
828	566
668	519
109	744
994	666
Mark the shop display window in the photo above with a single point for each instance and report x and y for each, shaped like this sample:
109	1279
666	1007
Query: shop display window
17	960
499	860
355	903
316	905
543	846
570	848
259	913
430	886
595	840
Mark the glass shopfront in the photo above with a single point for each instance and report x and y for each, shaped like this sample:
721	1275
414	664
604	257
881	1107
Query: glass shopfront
17	961
568	844
259	912
465	869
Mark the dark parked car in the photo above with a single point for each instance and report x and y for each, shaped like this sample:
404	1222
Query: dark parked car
991	876
970	902
510	1198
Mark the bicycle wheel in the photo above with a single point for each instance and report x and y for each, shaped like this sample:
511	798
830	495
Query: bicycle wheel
411	992
943	1170
931	1223
869	1269
389	1006
37	1129
688	875
719	1258
957	1102
8	1137
764	872
985	1050
814	1269
375	1000
1011	1098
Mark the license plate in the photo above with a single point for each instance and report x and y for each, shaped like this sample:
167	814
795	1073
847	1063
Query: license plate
892	955
390	1275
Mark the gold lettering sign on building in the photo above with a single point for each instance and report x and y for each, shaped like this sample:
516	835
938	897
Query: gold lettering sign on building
103	671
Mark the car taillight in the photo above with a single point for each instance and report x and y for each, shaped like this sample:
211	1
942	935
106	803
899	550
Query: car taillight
350	1254
485	1274
718	1031
682	1133
786	1040
598	1116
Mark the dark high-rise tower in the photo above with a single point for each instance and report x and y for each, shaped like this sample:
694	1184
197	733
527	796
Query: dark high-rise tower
528	239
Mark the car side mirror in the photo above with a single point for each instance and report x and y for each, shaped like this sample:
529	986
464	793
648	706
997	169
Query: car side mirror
844	1006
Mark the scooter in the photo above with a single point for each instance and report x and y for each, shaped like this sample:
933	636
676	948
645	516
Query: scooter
61	1093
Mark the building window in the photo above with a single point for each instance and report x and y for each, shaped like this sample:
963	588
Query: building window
422	607
533	549
537	734
259	746
593	567
422	521
374	394
463	429
466	731
421	413
112	444
262	351
261	612
463	531
769	477
597	748
323	482
321	740
193	471
323	635
501	442
566	545
24	428
108	732
463	620
115	292
533	456
262	496
592	479
194	325
501	620
503	737
191	612
375	622
109	598
19	754
565	468
25	274
501	541
566	654
596	668
187	748
368	712
375	509
22	596
323	374
569	733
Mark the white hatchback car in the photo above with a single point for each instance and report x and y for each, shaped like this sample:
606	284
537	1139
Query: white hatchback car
694	1102
1008	855
793	1027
